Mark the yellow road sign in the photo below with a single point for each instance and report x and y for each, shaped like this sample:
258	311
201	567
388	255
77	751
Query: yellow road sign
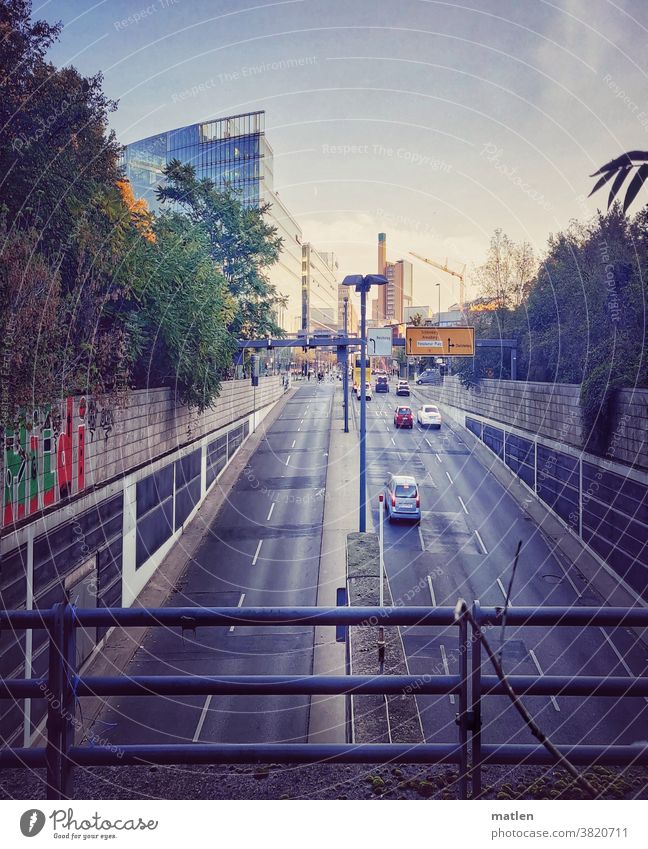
440	341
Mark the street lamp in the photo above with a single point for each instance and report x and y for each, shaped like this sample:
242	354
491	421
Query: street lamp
438	285
362	285
345	376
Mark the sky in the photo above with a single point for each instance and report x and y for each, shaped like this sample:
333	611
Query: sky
434	122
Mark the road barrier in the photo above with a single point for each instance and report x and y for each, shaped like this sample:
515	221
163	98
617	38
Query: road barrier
62	687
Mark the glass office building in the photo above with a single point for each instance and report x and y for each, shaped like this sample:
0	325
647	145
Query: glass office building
234	153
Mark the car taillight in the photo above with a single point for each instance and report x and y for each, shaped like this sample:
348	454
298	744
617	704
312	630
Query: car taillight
418	500
393	500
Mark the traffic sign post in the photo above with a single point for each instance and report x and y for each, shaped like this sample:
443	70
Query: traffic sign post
440	341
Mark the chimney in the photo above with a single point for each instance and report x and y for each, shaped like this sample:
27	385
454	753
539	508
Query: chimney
382	252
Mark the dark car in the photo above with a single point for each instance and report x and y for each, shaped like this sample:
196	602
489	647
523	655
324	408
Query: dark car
403	417
428	377
382	384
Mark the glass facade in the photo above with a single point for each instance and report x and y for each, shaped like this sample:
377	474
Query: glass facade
234	154
228	151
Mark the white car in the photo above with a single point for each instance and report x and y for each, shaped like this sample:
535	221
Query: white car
368	394
429	416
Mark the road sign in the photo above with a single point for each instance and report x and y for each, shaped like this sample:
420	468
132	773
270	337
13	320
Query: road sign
379	342
440	341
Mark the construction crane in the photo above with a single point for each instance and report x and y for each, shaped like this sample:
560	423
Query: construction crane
459	274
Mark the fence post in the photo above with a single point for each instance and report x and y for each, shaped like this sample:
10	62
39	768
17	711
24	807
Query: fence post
475	680
462	716
54	700
68	708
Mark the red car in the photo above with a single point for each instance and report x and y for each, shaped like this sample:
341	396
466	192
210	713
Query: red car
403	417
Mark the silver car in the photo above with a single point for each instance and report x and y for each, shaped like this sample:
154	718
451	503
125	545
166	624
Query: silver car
402	498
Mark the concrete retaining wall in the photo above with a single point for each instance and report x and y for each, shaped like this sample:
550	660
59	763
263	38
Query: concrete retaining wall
552	410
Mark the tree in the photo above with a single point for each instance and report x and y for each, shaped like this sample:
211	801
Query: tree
620	168
507	273
242	244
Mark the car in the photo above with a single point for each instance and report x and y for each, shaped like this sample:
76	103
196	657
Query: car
368	394
403	388
402	498
429	416
428	377
403	417
382	384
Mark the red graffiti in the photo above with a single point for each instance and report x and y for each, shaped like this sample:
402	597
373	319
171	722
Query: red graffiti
81	459
64	455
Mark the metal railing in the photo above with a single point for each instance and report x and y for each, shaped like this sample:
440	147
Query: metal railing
62	687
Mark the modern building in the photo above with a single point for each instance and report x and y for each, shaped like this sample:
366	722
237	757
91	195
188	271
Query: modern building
235	154
319	290
398	294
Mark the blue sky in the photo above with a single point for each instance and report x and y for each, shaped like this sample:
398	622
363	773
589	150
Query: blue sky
434	121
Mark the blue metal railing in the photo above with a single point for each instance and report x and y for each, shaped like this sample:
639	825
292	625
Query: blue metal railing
62	687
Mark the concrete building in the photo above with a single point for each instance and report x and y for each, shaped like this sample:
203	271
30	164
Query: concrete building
235	154
319	290
397	295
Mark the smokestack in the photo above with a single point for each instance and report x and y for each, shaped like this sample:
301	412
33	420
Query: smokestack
382	252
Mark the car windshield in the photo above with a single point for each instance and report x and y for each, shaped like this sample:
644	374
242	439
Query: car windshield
405	490
430	409
403	411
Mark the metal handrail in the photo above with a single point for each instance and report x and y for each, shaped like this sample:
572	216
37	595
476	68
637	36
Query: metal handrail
62	686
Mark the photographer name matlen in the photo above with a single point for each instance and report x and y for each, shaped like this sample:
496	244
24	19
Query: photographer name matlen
512	815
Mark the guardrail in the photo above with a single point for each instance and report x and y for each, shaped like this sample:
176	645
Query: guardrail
63	687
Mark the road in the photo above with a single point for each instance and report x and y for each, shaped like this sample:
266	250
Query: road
262	550
464	547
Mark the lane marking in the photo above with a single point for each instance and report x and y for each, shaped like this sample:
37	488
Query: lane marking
463	506
272	507
502	588
201	721
392	439
481	542
620	656
240	603
428	441
539	668
288	459
446	668
256	553
432	596
298	429
293	445
438	458
449	478
420	533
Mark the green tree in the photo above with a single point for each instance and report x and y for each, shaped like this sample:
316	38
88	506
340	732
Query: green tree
633	162
242	244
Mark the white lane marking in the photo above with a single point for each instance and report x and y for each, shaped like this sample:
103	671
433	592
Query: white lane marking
420	533
298	429
240	604
301	422
432	596
201	721
449	478
293	445
501	586
539	668
428	441
288	459
438	458
446	669
463	506
481	542
272	507
620	656
392	439
256	553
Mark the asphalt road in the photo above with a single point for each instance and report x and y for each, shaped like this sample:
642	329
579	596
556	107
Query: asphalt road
464	547
262	550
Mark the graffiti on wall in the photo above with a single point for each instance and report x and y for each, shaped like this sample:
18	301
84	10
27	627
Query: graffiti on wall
44	456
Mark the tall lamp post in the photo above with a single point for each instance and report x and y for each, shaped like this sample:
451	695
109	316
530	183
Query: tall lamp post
362	285
345	375
438	285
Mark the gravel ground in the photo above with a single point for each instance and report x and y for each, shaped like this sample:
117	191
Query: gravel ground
382	781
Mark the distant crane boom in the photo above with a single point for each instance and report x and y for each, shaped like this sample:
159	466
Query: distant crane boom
459	274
